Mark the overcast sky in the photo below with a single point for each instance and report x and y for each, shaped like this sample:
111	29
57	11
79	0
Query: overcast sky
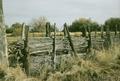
60	11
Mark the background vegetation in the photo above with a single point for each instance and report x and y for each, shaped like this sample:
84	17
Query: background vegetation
39	25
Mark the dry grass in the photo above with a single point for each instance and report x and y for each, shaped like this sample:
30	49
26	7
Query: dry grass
104	67
14	74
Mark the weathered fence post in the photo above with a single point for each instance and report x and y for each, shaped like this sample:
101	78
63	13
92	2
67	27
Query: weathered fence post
108	38
84	31
48	31
53	58
95	32
115	30
89	39
102	31
23	31
65	41
3	39
119	30
102	36
25	51
65	32
70	40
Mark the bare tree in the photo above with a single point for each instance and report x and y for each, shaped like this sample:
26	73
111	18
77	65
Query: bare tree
39	25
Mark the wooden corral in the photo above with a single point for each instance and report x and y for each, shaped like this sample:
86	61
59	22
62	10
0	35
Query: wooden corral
51	48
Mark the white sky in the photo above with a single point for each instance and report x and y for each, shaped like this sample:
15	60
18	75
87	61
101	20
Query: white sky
60	11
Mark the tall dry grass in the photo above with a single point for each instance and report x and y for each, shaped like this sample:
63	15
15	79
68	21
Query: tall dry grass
105	66
14	74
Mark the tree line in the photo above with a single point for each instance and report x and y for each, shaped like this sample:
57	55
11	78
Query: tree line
78	25
36	25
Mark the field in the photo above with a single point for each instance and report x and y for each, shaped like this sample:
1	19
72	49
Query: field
100	64
84	49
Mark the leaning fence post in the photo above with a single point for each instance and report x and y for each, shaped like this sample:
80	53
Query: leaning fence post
26	51
70	40
3	39
65	32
